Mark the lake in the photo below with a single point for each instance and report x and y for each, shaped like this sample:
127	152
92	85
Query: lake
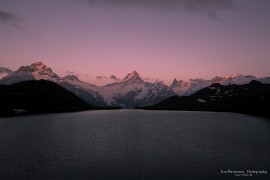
134	144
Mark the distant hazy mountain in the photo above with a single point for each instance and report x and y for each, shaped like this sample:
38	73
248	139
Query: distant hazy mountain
5	72
103	80
265	80
38	97
97	80
252	98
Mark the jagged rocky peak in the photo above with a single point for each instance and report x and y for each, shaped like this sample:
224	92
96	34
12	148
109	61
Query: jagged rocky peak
133	76
175	81
72	78
40	66
35	67
178	84
175	84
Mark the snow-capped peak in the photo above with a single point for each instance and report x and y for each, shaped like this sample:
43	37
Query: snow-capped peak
239	79
40	67
217	79
187	88
133	75
36	67
39	70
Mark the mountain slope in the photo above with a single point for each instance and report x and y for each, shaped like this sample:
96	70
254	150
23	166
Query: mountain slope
39	97
184	88
88	92
252	98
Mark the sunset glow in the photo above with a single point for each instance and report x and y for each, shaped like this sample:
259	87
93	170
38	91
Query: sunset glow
211	40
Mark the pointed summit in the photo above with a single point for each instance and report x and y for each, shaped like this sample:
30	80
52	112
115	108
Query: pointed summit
134	75
175	84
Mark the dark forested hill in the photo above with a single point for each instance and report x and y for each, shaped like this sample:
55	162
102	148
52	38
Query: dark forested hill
38	97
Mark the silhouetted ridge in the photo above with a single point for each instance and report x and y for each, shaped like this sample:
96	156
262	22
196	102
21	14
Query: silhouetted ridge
216	85
255	83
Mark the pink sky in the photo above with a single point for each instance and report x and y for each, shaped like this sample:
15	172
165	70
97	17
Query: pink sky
71	36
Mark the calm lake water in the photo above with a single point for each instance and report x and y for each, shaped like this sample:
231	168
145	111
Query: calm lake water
133	144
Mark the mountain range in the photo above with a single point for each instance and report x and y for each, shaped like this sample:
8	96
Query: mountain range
131	91
103	80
